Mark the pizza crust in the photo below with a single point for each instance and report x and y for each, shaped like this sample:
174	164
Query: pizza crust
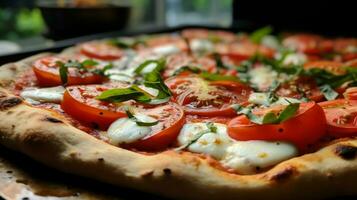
48	138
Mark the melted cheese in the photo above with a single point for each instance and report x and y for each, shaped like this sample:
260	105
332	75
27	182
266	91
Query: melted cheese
262	76
201	46
295	59
44	95
166	50
247	157
213	144
262	98
125	130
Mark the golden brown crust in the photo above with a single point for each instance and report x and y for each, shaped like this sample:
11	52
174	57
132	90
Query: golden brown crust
50	139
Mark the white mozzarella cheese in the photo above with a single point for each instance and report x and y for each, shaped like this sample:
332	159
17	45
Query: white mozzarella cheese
49	95
246	157
201	45
262	98
125	130
262	76
271	41
295	59
165	50
126	75
213	144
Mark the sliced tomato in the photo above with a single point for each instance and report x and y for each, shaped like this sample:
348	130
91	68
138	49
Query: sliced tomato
163	40
331	66
303	130
176	61
171	119
351	93
308	43
240	51
101	50
200	97
347	47
80	103
341	116
217	119
198	33
303	86
47	73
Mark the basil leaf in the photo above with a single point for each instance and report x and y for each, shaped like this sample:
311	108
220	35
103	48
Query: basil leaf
154	80
160	65
138	122
89	63
123	94
63	72
217	77
270	118
328	92
192	69
259	34
288	112
219	62
105	68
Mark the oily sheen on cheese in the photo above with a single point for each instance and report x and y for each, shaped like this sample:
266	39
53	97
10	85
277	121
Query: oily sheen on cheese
244	157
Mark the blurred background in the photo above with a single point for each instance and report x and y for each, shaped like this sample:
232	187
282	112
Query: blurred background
30	25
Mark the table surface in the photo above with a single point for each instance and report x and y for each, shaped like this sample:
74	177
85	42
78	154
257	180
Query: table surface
23	178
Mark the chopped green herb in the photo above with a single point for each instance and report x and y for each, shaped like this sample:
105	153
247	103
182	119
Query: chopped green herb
192	69
259	34
217	77
328	92
270	117
160	65
211	128
63	71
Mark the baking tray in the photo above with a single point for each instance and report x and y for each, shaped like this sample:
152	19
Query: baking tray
26	179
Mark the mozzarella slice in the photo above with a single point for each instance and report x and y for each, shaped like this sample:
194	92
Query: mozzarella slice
262	76
213	144
262	98
247	157
201	46
295	59
271	41
48	95
166	50
125	130
126	75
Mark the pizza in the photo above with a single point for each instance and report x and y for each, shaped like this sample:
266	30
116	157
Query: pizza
196	114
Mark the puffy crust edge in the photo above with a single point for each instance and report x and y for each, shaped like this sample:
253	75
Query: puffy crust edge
46	137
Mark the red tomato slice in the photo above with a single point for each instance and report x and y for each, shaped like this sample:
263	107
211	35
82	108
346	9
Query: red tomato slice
200	97
308	43
243	50
198	33
80	103
101	50
347	47
341	116
176	61
167	40
47	73
171	119
351	93
303	130
331	66
300	86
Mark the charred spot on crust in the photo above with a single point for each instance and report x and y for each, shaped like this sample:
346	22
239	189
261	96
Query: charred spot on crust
346	152
283	174
167	171
53	120
8	102
147	173
100	159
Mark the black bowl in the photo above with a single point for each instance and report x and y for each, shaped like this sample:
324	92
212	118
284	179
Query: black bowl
66	22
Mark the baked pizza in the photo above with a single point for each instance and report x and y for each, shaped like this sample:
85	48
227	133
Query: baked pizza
196	114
